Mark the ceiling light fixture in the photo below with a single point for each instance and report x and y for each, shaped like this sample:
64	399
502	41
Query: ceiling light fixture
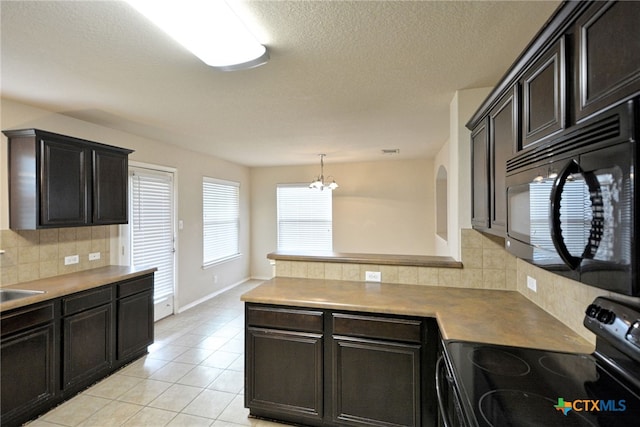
210	29
318	183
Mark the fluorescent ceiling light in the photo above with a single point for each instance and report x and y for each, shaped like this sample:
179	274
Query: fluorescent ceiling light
210	29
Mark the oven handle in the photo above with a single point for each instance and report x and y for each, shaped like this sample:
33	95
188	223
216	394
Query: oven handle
440	367
554	213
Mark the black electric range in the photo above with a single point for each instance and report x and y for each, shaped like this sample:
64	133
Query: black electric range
492	385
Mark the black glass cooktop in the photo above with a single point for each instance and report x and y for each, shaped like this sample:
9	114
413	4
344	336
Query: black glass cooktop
510	386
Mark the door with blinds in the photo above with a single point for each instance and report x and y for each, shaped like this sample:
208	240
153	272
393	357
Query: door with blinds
152	233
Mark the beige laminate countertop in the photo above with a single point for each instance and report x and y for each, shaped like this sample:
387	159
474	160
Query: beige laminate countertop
66	284
490	316
375	259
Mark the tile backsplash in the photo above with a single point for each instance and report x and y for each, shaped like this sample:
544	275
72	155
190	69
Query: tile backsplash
486	265
36	254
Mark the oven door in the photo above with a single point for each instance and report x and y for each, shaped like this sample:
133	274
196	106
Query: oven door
530	220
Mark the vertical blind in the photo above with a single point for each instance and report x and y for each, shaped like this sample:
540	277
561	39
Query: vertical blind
220	219
152	235
304	218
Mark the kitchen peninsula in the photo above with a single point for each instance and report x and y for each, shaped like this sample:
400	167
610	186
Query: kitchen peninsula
323	351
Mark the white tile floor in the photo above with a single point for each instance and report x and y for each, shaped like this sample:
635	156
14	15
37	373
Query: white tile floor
193	376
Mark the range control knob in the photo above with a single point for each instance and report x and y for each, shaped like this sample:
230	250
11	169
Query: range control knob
592	310
633	335
606	316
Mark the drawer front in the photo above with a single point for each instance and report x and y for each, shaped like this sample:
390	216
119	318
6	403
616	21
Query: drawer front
285	318
135	286
86	300
387	328
26	318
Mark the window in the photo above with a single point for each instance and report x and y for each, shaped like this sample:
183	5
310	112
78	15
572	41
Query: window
220	220
304	218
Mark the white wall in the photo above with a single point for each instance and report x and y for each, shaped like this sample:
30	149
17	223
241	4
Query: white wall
193	282
462	107
380	207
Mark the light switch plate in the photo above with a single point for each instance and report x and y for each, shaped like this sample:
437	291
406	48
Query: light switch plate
94	256
532	284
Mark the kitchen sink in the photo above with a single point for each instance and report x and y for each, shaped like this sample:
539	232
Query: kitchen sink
13	294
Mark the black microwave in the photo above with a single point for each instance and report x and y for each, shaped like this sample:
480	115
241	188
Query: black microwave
571	203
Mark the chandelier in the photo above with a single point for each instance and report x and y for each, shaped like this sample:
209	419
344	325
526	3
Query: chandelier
319	183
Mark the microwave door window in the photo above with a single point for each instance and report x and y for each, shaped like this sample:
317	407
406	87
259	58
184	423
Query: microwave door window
519	223
610	239
575	215
544	251
529	221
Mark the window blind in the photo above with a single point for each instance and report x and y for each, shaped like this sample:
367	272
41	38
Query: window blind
220	219
304	218
152	227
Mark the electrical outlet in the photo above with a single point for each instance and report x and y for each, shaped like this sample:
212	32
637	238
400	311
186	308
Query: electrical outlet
372	276
94	256
532	284
71	259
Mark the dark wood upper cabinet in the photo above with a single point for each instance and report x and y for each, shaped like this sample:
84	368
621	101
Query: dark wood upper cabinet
503	139
480	176
543	96
109	186
61	181
607	62
63	193
583	61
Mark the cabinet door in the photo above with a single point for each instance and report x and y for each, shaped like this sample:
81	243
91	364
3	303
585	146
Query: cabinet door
87	345
375	382
480	176
502	142
64	186
109	187
543	96
135	325
608	65
28	373
284	375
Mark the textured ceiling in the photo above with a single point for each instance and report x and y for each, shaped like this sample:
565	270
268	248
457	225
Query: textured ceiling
346	78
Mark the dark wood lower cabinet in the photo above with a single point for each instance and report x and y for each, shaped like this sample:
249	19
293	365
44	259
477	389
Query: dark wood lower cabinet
51	351
329	368
87	345
87	336
376	382
28	360
285	374
135	318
